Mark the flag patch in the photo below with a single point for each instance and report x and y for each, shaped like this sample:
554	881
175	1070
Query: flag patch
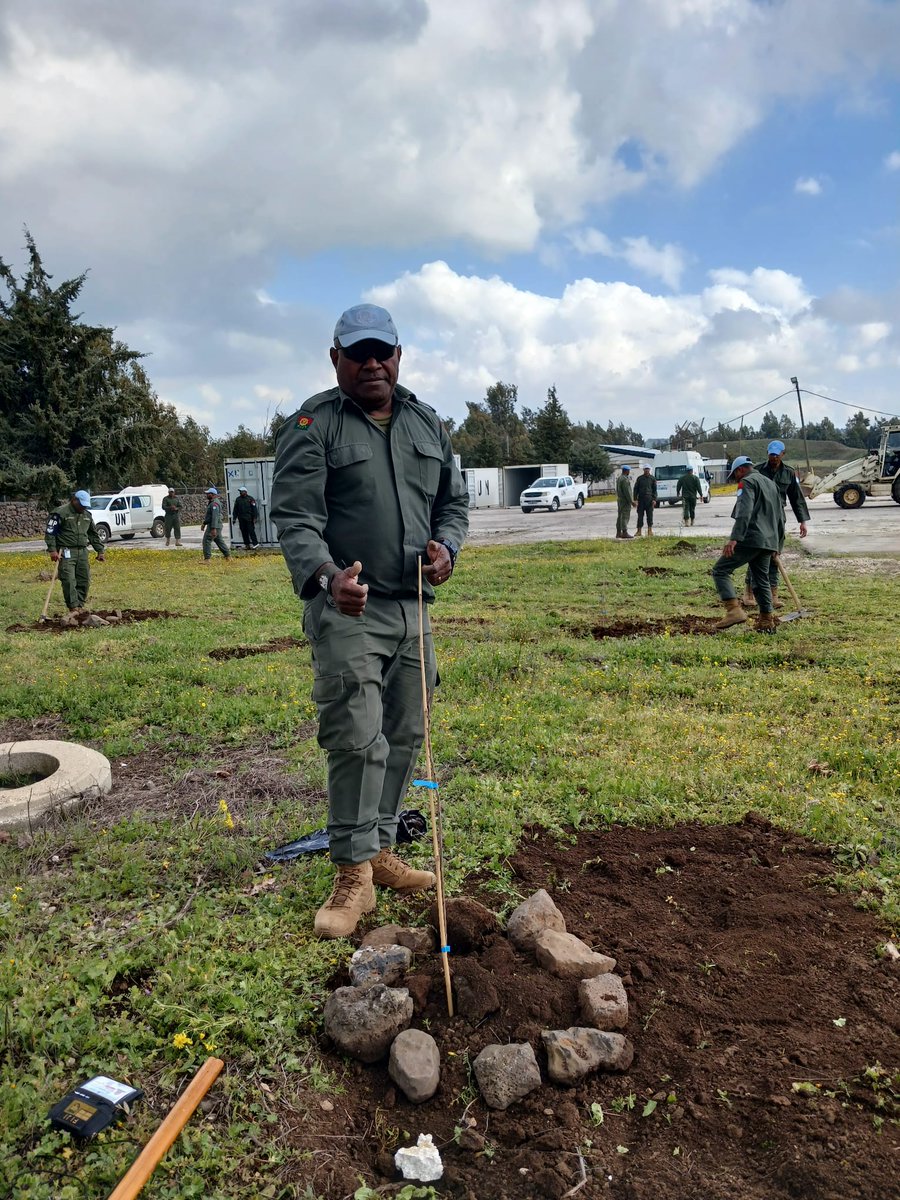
304	422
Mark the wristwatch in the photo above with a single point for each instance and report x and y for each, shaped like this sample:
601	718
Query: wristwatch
452	547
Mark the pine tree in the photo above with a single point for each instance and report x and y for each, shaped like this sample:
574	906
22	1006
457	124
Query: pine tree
552	435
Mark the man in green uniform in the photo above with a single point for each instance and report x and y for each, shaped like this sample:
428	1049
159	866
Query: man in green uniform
688	488
70	529
171	507
785	479
365	486
755	536
624	503
212	526
244	513
645	499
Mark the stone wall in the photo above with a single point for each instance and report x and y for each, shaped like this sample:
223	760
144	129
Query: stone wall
22	519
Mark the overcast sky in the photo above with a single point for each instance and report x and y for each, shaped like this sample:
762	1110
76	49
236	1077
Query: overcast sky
664	207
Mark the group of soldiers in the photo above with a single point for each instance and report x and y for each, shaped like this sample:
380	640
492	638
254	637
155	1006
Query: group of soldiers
757	536
70	532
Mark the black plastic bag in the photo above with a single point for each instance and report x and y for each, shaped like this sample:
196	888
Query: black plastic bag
411	826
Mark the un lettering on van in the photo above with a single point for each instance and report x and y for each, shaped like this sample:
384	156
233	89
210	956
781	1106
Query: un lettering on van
121	518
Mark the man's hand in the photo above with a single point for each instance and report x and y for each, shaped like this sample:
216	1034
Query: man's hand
348	595
101	558
803	529
54	556
441	566
728	549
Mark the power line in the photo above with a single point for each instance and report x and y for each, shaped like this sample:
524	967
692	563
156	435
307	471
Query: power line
750	413
878	411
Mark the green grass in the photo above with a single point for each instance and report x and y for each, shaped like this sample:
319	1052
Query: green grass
136	946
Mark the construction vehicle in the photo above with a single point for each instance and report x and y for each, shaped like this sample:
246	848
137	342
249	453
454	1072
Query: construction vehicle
878	474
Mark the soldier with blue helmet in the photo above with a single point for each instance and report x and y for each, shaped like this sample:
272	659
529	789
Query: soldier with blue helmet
70	530
212	526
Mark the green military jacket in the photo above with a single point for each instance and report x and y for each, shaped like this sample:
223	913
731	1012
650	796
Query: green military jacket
688	485
785	479
645	489
171	504
624	494
213	517
758	514
71	530
345	489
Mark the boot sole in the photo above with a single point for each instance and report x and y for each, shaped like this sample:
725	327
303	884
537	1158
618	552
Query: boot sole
409	889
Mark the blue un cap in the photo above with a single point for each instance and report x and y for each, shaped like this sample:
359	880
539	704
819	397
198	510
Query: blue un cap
775	447
741	461
83	498
365	321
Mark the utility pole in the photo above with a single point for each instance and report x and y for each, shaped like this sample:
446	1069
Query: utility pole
802	424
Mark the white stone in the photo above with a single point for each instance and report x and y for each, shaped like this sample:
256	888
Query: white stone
422	1161
567	957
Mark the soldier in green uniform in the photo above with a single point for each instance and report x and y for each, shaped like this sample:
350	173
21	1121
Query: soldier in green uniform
212	526
171	507
785	479
624	503
645	498
688	488
364	486
70	529
755	536
245	513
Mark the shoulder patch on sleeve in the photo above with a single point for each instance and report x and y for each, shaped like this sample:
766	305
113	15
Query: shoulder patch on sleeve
303	421
53	523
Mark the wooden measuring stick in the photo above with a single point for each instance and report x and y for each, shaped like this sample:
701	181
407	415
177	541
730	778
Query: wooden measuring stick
179	1115
434	807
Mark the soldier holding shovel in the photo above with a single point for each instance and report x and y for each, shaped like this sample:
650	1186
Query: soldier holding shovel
755	536
70	530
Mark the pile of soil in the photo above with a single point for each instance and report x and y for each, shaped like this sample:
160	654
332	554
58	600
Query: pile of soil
763	1018
276	646
116	616
702	626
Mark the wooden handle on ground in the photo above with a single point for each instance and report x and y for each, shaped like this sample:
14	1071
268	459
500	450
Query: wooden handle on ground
784	575
50	590
179	1115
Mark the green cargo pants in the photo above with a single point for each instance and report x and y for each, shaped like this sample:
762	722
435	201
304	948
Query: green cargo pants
688	508
758	563
172	523
75	577
623	516
367	687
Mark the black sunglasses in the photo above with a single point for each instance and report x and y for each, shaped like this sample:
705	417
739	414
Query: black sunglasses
361	352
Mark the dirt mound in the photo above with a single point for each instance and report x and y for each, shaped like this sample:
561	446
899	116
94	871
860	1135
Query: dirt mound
273	647
680	547
656	570
764	1024
672	625
114	616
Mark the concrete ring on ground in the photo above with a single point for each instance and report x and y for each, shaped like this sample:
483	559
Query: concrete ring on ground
71	774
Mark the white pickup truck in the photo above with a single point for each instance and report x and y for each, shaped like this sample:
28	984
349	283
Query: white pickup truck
133	510
551	491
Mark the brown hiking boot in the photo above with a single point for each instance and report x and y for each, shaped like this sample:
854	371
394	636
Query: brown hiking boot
390	871
734	615
766	623
351	896
776	603
650	531
748	600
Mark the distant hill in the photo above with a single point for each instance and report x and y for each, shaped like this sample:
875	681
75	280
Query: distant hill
824	456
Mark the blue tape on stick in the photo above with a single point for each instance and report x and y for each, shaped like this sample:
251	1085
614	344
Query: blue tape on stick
429	783
445	949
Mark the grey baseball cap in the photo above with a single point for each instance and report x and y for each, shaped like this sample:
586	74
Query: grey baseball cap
365	321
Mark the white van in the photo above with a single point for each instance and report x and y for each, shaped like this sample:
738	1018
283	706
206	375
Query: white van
669	466
133	510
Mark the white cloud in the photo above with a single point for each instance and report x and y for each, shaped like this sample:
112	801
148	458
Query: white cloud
892	160
659	262
808	186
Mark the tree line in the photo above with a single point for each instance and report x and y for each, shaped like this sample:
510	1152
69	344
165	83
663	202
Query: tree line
859	432
77	408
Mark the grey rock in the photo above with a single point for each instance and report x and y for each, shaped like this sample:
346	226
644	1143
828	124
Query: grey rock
379	964
415	1064
94	622
506	1074
574	1053
533	915
567	957
362	1022
420	941
604	1002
